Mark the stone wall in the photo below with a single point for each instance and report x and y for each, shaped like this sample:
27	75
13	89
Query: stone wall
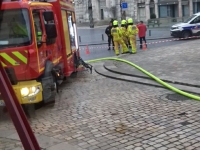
111	9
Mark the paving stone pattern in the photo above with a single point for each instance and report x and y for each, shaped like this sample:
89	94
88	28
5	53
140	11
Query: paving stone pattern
97	113
8	144
176	63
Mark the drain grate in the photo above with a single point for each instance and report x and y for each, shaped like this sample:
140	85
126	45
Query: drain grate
176	97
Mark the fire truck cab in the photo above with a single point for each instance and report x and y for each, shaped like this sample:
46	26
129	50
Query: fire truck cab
38	47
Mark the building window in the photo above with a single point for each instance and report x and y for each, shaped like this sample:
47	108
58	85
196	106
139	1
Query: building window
185	9
141	13
196	7
163	11
168	11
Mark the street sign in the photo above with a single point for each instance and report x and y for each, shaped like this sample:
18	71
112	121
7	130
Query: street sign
124	5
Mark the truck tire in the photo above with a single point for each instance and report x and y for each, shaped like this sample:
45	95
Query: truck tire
47	80
186	34
49	84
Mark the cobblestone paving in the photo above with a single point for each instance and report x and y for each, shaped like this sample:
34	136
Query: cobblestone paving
178	62
97	113
8	144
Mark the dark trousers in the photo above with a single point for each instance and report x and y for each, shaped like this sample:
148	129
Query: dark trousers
142	39
110	38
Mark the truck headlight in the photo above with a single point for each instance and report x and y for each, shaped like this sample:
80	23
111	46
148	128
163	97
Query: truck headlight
33	89
24	92
30	91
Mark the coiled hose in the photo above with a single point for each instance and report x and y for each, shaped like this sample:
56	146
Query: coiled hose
195	97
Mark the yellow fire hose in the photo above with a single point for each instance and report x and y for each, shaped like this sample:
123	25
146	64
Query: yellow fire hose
150	75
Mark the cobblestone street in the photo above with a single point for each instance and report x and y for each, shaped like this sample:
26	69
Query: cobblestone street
94	112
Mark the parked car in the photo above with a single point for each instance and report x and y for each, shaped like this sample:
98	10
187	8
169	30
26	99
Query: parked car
190	27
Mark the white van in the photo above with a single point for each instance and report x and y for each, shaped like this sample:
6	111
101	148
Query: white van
190	27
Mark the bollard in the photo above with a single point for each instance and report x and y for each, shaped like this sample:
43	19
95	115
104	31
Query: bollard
149	32
79	38
102	37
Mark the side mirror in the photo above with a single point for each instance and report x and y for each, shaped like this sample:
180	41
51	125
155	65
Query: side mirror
48	15
51	31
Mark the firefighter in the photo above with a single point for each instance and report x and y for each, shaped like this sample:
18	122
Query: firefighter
19	29
117	38
132	31
123	32
129	44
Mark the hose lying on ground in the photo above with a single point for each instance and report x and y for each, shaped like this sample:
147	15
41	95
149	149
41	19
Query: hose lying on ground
150	75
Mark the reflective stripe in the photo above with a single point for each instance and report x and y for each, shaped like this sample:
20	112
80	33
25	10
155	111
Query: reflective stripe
133	28
20	56
3	64
9	59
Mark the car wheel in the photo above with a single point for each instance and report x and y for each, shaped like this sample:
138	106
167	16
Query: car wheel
186	34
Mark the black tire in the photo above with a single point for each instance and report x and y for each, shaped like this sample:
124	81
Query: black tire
47	73
186	34
48	69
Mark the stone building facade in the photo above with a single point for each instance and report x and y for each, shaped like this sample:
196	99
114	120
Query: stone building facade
103	10
137	9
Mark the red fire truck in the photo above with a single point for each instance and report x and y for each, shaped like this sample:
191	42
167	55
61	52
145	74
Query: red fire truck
38	47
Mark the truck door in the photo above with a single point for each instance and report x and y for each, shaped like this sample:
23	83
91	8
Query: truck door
69	34
196	26
39	31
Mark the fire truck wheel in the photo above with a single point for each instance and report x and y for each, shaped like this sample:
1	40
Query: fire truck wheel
74	74
49	84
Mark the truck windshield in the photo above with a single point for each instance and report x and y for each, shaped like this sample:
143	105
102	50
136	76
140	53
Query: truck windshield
14	28
190	18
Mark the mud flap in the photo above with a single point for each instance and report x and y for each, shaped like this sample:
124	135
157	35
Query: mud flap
49	90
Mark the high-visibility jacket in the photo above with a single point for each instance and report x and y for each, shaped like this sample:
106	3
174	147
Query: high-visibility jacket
19	29
123	31
115	32
132	30
39	36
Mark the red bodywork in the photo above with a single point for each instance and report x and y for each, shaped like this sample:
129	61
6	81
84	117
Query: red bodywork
36	57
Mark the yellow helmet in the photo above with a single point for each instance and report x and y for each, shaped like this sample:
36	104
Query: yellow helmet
123	22
130	20
115	22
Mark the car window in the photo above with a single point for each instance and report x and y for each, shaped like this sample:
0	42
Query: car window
196	20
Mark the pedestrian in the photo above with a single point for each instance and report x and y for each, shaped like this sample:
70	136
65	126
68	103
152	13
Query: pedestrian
110	37
123	31
115	31
142	33
132	31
